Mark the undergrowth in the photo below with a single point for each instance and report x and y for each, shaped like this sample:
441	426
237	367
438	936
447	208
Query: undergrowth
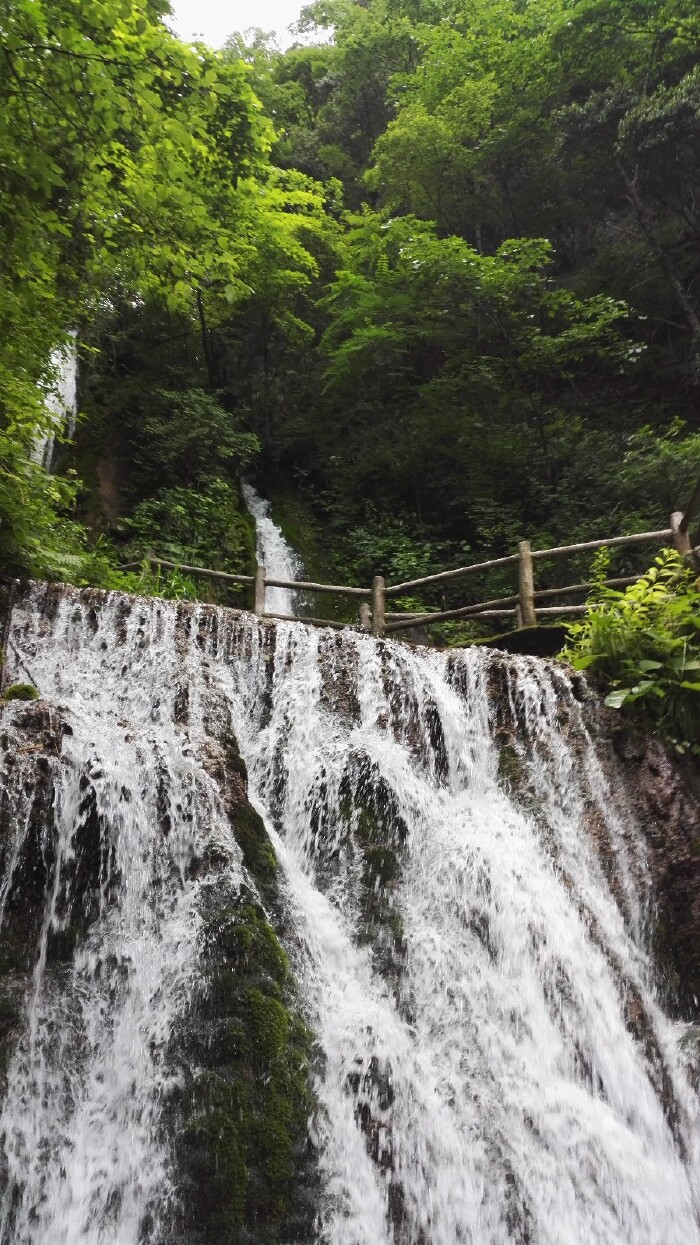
644	644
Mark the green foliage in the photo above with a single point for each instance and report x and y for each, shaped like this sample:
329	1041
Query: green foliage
474	386
388	545
504	322
187	436
159	191
186	525
644	643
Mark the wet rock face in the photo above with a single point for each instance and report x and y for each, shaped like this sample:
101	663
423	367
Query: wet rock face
665	796
31	740
246	1167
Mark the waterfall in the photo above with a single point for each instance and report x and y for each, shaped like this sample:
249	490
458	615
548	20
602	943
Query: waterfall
274	553
61	403
496	1063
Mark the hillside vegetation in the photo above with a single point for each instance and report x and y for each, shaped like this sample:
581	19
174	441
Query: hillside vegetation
439	274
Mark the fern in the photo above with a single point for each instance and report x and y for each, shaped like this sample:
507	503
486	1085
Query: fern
644	643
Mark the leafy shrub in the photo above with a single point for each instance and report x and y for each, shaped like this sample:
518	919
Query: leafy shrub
644	643
185	437
203	526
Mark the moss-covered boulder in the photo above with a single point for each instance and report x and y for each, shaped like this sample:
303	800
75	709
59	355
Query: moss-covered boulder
20	691
246	1166
246	1163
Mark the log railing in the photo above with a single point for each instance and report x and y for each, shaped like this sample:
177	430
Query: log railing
523	607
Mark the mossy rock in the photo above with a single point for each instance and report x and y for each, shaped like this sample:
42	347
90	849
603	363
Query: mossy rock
511	771
258	853
368	809
20	691
545	640
249	942
243	1144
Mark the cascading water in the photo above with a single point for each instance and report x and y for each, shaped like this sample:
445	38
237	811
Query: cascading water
496	1066
273	552
61	403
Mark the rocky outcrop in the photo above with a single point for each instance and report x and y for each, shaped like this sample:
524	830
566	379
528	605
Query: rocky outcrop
665	796
31	740
247	1166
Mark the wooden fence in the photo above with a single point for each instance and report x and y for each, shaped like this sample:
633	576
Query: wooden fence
523	607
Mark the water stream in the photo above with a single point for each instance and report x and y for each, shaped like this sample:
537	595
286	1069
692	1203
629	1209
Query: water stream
61	403
468	963
275	554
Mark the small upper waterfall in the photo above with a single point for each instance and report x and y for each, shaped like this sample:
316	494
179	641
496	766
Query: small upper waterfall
495	1063
274	553
61	402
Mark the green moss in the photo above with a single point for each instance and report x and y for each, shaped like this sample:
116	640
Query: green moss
381	866
215	1142
252	838
234	760
269	1027
378	835
20	691
244	1141
249	829
250	944
305	534
510	766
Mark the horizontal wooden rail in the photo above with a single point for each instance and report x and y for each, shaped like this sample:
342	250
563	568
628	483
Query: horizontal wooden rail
611	542
464	611
434	618
487	607
300	585
201	572
476	612
563	609
393	589
313	622
544	593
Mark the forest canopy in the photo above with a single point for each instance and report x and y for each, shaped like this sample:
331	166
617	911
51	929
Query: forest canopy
436	269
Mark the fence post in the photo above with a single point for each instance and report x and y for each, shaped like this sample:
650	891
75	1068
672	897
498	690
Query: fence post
526	585
681	539
260	591
378	605
365	617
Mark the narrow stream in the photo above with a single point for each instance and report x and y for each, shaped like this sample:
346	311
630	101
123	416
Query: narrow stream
275	554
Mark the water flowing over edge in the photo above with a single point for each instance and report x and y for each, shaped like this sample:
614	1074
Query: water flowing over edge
61	402
274	553
496	1066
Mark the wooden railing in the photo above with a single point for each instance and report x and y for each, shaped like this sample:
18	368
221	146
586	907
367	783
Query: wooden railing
523	607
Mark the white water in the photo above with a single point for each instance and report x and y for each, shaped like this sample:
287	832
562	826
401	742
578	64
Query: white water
486	1088
61	403
85	1158
273	552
